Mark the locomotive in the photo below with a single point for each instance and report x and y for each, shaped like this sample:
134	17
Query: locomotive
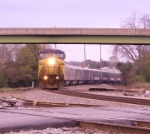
54	73
51	68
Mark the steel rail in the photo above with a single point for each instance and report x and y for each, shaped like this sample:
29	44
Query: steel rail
27	103
104	97
44	104
115	127
142	123
51	104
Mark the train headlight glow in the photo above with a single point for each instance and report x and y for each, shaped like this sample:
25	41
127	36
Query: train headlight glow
45	77
57	77
51	61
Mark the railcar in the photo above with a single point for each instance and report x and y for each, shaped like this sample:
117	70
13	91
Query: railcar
54	73
78	75
111	76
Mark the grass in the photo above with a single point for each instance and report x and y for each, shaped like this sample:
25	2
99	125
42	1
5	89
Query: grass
7	89
140	86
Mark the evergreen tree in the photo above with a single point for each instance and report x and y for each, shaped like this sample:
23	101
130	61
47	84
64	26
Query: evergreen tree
27	65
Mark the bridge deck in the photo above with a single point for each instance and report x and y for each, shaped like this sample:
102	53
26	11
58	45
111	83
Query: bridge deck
74	31
74	36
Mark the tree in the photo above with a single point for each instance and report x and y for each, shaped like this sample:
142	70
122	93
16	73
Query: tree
7	61
138	55
135	22
45	46
112	62
144	67
2	80
26	62
131	52
126	70
145	21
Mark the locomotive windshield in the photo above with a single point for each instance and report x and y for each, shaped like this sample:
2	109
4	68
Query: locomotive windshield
51	53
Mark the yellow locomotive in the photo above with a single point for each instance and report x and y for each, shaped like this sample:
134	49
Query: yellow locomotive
51	68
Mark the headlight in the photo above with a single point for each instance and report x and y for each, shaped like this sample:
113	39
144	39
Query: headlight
57	77
45	77
51	61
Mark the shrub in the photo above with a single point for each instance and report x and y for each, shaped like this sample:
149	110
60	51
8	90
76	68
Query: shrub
2	80
137	78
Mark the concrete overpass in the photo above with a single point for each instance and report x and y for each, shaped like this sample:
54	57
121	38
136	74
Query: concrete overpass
74	36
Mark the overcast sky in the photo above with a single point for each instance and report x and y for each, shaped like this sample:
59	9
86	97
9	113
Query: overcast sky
71	14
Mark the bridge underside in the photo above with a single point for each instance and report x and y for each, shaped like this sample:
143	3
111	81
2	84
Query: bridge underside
74	39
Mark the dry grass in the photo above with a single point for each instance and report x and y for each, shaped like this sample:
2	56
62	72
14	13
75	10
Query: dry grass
139	86
7	89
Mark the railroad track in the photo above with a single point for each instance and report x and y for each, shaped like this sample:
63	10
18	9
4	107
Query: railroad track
129	100
65	91
137	127
31	103
141	127
51	104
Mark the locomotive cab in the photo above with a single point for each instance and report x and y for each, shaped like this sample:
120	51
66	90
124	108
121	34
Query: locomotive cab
51	53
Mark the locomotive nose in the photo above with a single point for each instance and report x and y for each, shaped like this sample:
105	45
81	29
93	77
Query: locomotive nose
51	61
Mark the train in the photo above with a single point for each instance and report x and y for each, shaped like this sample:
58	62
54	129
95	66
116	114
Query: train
54	73
51	68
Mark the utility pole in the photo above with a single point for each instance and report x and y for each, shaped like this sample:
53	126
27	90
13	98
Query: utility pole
55	46
84	57
100	58
101	79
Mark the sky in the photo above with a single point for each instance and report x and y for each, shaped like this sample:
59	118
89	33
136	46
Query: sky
72	14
